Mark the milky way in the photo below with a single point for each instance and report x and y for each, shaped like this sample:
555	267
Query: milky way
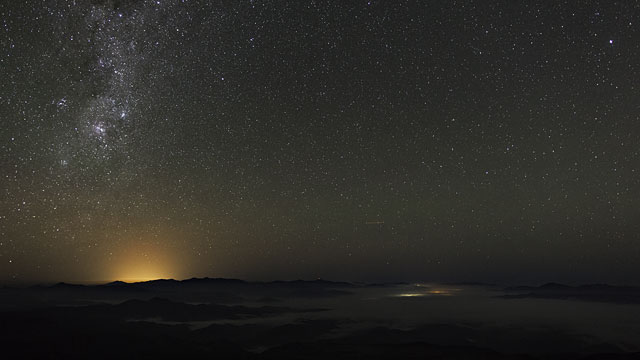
361	140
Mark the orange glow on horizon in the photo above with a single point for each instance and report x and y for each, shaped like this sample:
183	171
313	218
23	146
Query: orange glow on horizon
142	262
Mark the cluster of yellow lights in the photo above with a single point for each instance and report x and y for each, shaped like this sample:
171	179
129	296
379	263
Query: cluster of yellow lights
429	292
411	295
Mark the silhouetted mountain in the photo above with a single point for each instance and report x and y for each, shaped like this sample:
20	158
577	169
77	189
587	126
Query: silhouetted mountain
317	282
163	309
470	283
207	280
64	285
341	350
547	286
228	282
227	319
590	292
261	335
554	286
379	285
498	338
116	283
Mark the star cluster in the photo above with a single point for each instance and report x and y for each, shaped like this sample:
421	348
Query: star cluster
361	140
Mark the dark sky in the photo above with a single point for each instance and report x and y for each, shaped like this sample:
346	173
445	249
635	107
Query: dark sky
343	139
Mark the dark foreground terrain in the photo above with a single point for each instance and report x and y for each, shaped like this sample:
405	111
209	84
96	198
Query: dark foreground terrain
233	319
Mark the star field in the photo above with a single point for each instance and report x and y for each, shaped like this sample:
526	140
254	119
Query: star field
356	140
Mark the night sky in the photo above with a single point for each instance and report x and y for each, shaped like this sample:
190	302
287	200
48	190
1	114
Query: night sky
349	140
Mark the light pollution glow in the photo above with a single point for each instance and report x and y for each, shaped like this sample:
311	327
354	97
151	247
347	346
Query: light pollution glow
143	262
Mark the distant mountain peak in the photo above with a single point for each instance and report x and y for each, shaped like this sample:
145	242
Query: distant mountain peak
116	283
63	284
553	285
